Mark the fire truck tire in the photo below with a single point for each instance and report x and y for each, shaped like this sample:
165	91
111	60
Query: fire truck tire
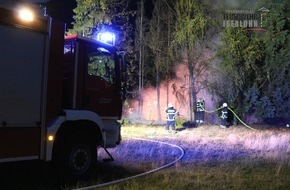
77	158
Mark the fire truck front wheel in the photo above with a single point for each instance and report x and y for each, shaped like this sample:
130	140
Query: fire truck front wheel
77	158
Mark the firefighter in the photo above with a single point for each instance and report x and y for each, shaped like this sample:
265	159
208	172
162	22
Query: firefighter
199	119
224	115
171	113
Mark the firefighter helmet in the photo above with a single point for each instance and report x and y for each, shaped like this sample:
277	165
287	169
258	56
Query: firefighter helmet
225	105
170	105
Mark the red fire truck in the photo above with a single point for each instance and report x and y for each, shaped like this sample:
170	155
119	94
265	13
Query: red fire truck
60	97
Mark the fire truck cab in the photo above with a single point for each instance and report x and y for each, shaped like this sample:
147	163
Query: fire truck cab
60	97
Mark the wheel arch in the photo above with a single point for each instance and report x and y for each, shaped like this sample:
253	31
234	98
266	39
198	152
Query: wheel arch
81	127
71	129
69	133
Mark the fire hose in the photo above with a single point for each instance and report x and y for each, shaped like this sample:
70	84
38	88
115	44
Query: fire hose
142	174
212	111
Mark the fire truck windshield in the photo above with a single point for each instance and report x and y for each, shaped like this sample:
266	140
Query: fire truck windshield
102	65
100	61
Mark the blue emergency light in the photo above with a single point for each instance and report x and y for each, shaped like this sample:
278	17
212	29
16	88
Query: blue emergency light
107	37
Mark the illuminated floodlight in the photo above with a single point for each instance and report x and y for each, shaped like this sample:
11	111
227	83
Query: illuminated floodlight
107	37
50	137
26	14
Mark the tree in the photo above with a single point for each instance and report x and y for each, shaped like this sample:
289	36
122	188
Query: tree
140	48
89	14
158	40
190	40
255	66
269	96
239	52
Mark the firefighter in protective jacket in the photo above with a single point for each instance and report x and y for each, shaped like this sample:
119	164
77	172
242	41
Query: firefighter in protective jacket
171	114
199	119
224	115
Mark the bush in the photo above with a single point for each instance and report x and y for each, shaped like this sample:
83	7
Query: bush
179	121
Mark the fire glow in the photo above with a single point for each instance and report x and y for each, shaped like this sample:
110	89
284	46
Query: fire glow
178	95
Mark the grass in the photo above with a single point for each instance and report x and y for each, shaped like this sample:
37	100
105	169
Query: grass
233	158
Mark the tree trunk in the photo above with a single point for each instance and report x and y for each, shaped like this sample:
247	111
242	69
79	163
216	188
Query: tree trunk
192	90
158	95
140	89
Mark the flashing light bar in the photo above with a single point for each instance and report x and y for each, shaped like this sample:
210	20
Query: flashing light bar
107	37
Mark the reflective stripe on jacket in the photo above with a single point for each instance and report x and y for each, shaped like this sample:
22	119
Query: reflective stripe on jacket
170	114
